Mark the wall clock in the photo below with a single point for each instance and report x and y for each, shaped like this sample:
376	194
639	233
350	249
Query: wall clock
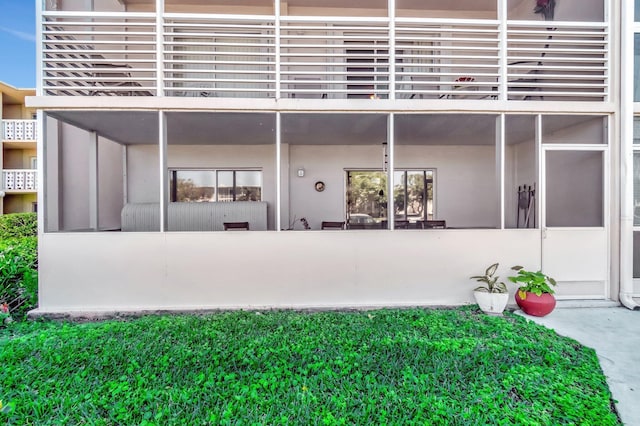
319	185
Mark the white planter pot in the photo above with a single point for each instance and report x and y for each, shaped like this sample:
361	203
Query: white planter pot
491	303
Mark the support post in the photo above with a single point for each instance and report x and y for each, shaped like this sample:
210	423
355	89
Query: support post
164	174
93	181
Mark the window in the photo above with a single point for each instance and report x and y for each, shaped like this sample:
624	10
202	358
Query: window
413	198
413	195
197	186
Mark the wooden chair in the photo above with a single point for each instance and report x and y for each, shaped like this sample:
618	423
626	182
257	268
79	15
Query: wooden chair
401	224
435	224
236	226
332	225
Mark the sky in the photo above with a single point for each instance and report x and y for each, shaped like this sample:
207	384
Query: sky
18	43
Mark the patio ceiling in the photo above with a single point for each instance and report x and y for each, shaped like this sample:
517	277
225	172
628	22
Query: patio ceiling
207	128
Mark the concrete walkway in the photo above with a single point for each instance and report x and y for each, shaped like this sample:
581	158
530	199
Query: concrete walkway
614	333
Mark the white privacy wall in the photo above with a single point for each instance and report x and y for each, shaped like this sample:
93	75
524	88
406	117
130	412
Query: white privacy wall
116	271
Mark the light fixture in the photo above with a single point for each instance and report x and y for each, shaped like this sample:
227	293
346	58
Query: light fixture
301	172
385	157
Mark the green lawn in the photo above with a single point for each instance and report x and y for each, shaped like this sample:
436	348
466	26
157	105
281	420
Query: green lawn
448	367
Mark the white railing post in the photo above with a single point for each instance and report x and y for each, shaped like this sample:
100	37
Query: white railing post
40	58
503	46
278	171
278	60
391	170
93	181
159	47
391	6
164	173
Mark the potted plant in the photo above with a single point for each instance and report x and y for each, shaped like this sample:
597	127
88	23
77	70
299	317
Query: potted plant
492	297
535	295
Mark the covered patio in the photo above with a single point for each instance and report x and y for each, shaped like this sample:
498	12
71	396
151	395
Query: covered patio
515	188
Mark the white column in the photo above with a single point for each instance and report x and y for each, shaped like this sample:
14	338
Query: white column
159	47
164	174
39	56
125	175
276	8
48	213
500	164
278	170
502	47
391	169
540	189
93	181
391	6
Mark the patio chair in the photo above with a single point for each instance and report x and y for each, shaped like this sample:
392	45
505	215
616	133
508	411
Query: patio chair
401	224
236	226
332	225
434	224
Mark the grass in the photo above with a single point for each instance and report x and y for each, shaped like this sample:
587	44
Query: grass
453	367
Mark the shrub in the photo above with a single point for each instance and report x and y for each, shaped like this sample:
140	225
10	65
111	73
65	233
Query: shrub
18	225
19	275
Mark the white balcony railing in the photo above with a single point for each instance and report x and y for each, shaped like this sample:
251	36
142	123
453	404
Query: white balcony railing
20	180
251	56
19	130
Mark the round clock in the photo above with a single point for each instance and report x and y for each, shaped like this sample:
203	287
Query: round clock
319	186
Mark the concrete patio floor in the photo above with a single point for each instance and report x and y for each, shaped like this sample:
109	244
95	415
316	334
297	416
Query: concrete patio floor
614	333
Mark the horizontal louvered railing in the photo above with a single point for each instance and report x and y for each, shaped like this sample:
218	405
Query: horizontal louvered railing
251	56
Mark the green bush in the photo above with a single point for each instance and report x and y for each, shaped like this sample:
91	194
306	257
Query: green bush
18	225
19	275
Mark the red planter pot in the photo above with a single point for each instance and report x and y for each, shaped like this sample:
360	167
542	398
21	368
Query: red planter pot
537	306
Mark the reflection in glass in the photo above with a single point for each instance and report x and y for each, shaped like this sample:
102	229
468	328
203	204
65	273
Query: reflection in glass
193	186
367	200
411	189
225	185
211	185
248	186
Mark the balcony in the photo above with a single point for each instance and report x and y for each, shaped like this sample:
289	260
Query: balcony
19	130
18	181
322	57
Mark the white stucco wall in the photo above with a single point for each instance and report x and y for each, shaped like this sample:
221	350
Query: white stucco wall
67	181
176	270
143	181
466	192
110	183
74	178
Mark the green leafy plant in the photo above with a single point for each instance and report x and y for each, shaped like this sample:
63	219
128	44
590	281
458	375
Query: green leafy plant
532	282
410	366
492	285
19	275
18	225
